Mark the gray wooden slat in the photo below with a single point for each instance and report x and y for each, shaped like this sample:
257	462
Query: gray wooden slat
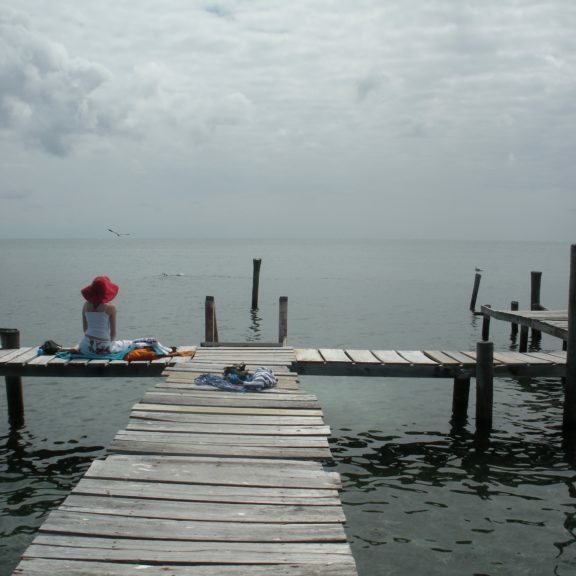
239	400
362	356
232	419
235	429
43	567
216	471
242	512
333	355
441	358
389	357
308	355
232	440
230	410
175	552
164	448
211	493
176	530
415	357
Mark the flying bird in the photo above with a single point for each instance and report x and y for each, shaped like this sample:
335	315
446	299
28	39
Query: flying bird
118	233
478	269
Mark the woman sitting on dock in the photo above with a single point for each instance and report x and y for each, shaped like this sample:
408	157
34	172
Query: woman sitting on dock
99	319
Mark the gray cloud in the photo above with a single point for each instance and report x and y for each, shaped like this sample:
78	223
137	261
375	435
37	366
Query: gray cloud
46	96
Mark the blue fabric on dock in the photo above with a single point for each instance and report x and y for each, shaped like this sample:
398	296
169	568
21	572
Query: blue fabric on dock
261	379
150	343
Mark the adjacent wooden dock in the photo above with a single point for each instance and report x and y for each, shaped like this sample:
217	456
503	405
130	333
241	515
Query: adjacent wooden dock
204	482
24	362
551	322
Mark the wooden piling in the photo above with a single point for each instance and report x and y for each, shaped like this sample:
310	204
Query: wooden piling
484	384
460	399
283	320
523	345
514	306
255	282
211	327
10	339
535	286
475	291
486	326
570	382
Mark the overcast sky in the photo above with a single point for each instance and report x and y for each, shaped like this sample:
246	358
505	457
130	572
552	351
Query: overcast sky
269	118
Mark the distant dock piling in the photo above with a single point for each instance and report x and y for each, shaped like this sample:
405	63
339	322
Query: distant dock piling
475	289
257	262
10	339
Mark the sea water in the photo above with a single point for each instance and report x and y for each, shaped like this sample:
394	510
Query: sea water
420	496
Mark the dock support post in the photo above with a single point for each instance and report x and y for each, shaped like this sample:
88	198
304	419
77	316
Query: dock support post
460	398
211	328
283	320
486	326
484	384
523	346
255	281
10	339
514	328
475	291
535	285
570	382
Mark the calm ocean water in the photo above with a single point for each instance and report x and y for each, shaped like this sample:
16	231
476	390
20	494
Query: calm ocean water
420	496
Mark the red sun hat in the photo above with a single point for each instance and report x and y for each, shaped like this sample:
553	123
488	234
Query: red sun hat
101	290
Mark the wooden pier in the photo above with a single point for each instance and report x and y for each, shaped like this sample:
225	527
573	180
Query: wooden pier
205	482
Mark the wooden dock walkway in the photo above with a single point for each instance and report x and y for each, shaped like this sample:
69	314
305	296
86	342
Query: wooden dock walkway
205	482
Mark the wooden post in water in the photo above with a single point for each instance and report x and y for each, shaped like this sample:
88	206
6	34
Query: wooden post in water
255	281
570	382
460	398
535	285
211	328
486	325
475	291
514	327
283	320
10	338
523	346
484	384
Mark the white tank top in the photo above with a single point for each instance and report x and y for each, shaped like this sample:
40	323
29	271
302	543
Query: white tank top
98	325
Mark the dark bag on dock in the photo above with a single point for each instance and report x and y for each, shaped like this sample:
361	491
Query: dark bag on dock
50	347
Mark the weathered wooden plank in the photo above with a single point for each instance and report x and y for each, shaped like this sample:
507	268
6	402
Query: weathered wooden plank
198	493
334	355
203	511
183	552
43	567
12	356
415	357
232	440
307	355
251	400
441	358
139	446
216	471
362	356
223	419
389	357
153	529
235	429
518	358
462	358
209	392
229	410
